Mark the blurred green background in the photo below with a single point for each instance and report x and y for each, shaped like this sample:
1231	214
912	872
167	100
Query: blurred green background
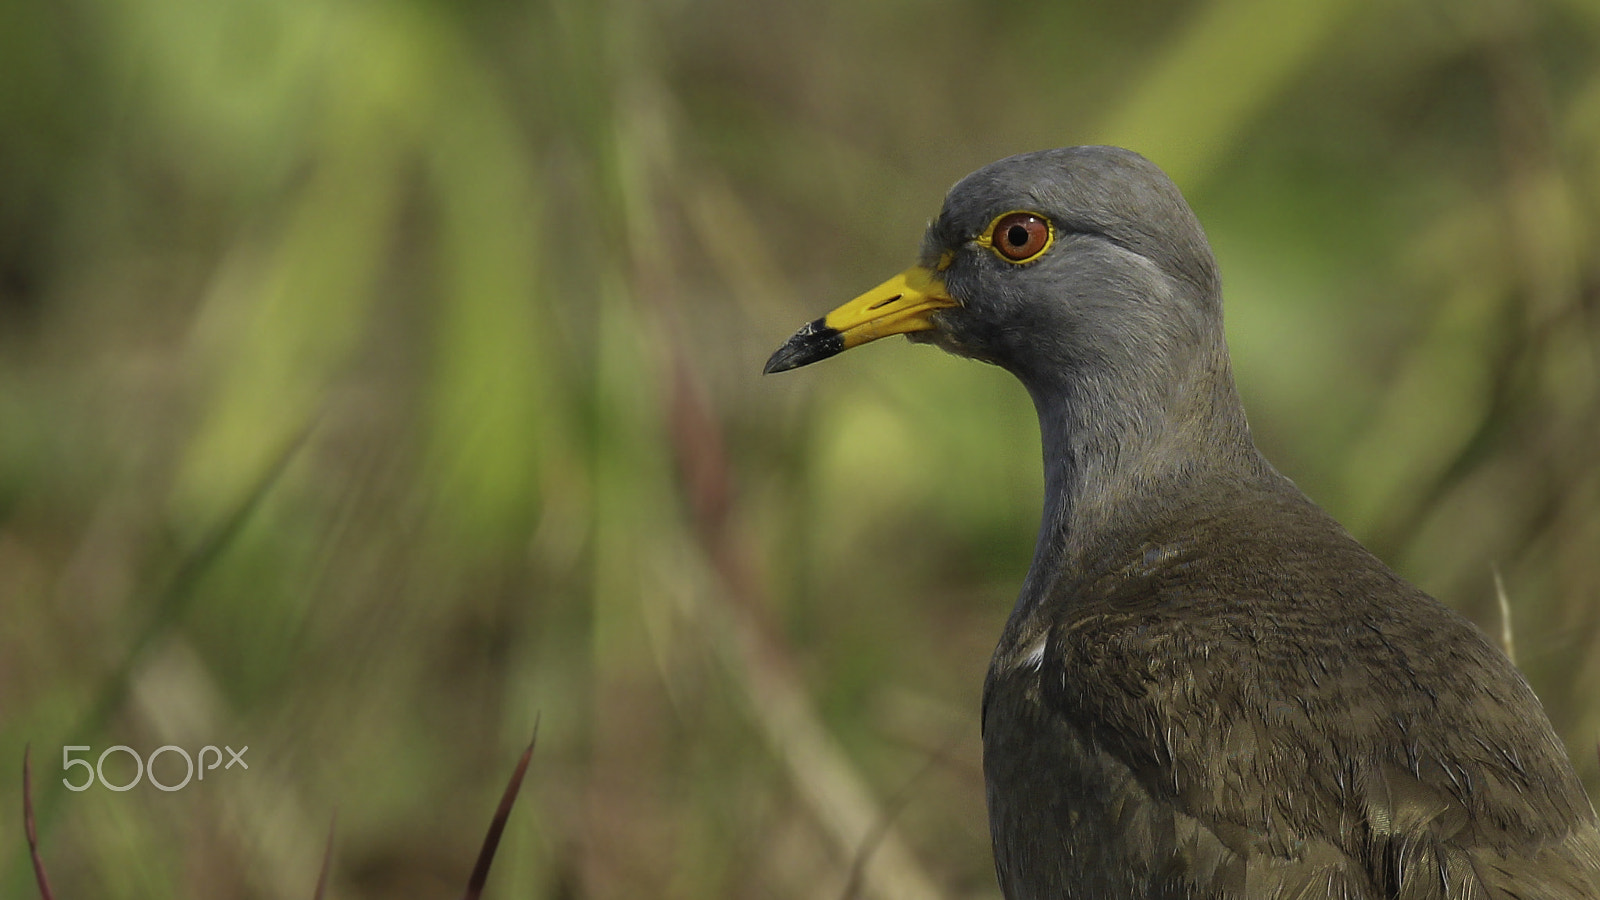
378	376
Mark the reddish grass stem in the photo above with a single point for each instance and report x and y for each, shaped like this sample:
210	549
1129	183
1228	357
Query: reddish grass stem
28	827
491	841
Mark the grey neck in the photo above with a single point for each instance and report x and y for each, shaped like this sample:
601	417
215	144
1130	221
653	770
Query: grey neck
1117	462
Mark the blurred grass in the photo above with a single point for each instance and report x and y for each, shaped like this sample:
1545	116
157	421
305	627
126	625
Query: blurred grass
513	269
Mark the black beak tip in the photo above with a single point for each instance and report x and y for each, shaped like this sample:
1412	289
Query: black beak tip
812	343
781	361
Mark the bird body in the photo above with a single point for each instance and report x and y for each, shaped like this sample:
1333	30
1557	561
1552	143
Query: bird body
1207	688
1254	706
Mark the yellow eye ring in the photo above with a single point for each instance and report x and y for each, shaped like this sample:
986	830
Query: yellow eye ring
1018	236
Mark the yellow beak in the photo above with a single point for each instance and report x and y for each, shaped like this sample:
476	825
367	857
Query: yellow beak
902	304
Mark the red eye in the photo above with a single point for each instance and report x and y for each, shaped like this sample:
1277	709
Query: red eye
1019	236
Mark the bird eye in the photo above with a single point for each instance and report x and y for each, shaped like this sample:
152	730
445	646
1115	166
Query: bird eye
1018	236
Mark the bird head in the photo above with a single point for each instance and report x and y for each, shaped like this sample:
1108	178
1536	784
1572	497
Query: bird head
1073	263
